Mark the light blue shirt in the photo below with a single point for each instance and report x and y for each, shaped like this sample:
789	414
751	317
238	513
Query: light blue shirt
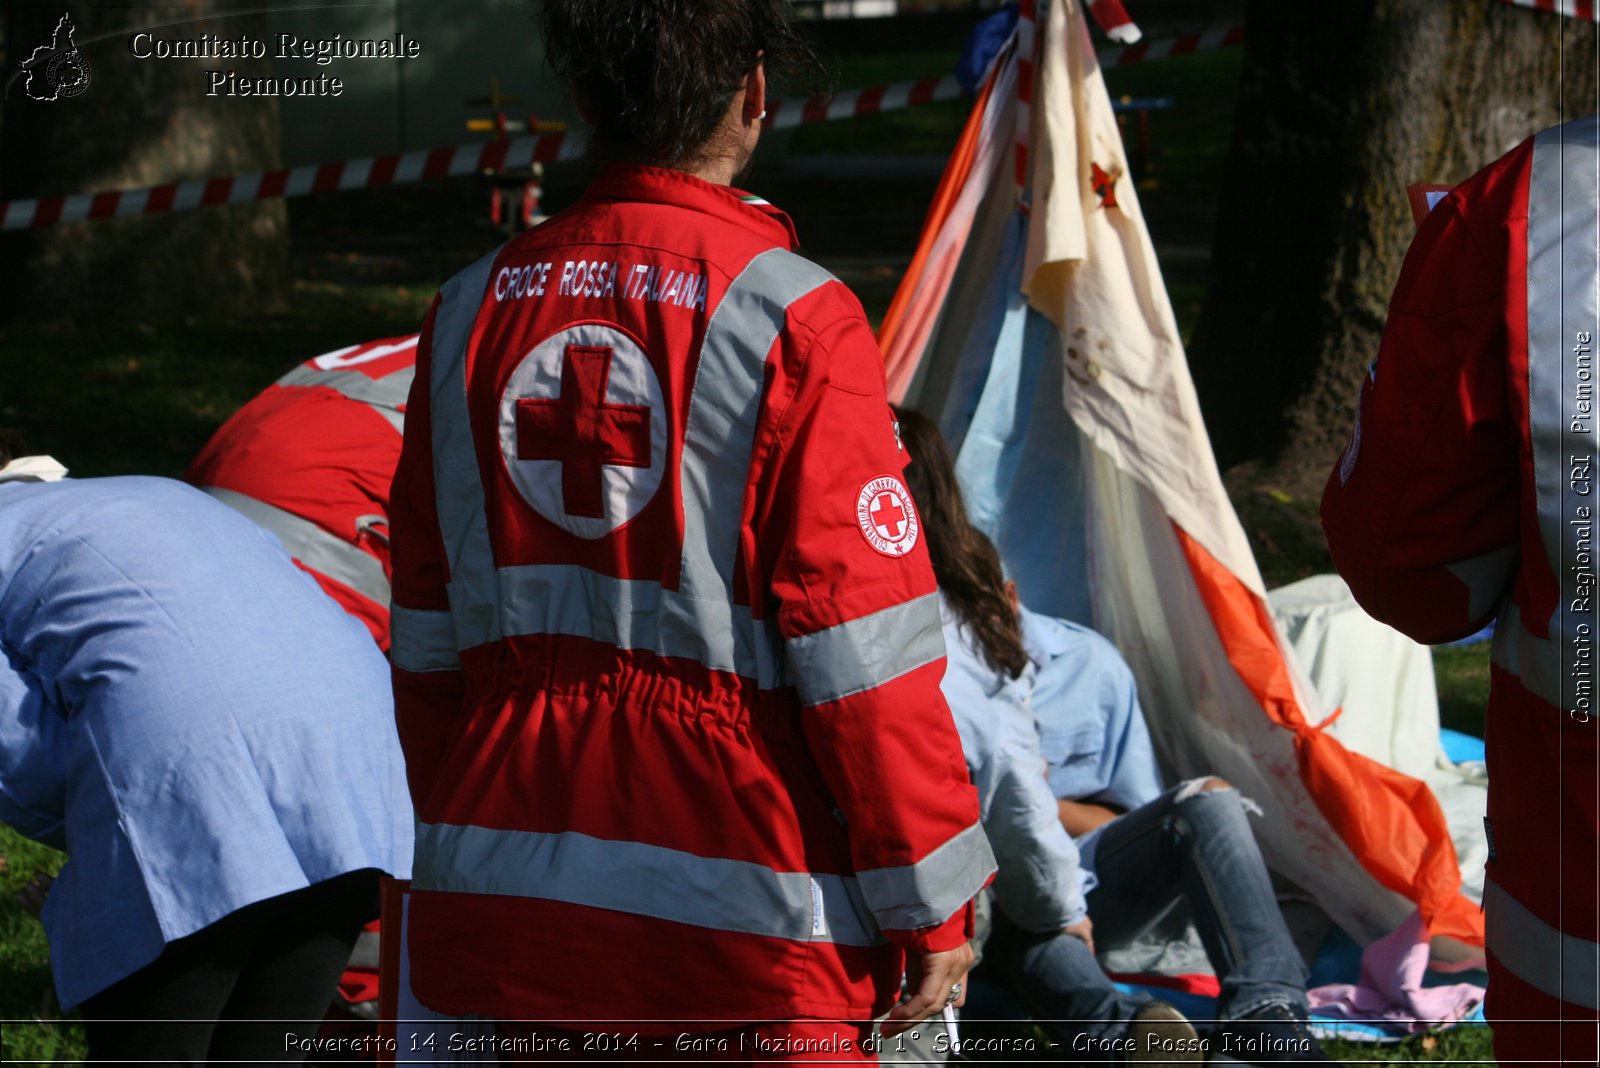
1040	884
1092	732
184	713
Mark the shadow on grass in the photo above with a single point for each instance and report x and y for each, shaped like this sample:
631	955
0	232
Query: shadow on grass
27	996
114	399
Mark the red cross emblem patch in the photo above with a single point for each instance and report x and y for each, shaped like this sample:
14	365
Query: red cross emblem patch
886	516
583	429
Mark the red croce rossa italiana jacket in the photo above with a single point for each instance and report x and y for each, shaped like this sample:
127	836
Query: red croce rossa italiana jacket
1468	493
666	638
311	459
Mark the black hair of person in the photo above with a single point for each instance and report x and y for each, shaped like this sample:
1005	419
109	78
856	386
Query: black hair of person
11	445
965	562
654	78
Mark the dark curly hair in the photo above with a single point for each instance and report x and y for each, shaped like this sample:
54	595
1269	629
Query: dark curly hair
965	562
655	77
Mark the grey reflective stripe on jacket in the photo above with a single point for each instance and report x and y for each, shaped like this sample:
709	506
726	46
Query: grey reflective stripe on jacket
716	892
864	653
421	640
367	951
1563	335
1487	577
934	887
317	549
386	395
644	880
1561	965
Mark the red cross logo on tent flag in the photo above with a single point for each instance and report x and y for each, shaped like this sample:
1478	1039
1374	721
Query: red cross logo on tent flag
583	429
886	517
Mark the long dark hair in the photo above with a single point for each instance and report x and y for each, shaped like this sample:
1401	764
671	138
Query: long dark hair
655	77
965	561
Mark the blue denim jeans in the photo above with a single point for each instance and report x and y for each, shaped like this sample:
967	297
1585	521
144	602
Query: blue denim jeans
1199	851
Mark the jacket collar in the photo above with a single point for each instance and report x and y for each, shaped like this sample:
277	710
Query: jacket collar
661	185
32	469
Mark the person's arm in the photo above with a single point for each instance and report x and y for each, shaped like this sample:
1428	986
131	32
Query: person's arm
1038	884
862	635
426	669
33	750
1081	817
1421	510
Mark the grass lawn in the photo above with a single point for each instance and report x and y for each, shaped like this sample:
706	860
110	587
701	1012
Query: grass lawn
26	995
112	400
1462	1045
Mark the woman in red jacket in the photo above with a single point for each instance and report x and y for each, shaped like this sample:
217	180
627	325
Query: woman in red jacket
665	636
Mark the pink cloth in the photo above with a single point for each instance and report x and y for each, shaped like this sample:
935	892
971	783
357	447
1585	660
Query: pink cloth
1390	992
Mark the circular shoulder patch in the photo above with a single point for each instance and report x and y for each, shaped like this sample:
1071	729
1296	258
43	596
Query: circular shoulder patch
886	516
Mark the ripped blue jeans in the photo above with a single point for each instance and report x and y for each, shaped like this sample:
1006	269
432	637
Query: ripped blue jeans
1200	850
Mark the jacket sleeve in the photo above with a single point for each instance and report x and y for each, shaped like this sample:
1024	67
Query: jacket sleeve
1421	510
428	681
1037	884
863	644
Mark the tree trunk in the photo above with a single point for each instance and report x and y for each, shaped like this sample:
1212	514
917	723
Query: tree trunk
1341	107
137	123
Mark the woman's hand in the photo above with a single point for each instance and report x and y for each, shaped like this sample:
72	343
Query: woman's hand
929	979
1082	930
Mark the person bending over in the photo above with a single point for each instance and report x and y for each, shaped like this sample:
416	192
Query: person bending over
211	741
311	459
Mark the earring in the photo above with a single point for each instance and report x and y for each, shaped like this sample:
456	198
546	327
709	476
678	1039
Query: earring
762	115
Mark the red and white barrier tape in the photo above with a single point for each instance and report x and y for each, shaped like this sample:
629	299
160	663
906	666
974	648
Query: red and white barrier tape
417	166
1171	47
366	173
783	116
1573	9
401	168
